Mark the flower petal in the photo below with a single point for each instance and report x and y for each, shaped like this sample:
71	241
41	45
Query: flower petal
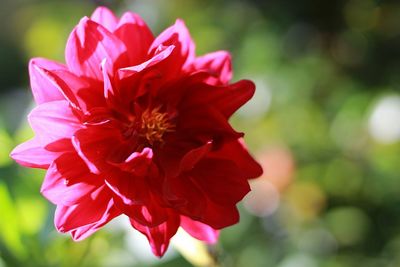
85	213
219	216
44	88
194	156
217	64
96	145
160	235
90	43
199	230
151	214
237	152
130	180
68	181
206	123
226	99
179	155
57	116
104	16
185	196
84	231
221	180
161	55
128	189
108	87
184	52
32	154
136	35
71	87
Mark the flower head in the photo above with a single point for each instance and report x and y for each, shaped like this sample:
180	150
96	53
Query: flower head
138	125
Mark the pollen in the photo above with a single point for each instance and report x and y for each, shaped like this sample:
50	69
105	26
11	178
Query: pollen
154	124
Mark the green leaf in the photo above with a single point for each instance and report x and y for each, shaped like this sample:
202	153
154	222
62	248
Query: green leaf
10	233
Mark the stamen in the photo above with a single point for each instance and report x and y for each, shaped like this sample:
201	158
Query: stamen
154	124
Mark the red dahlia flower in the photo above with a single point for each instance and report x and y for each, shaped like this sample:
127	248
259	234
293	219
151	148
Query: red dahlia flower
138	125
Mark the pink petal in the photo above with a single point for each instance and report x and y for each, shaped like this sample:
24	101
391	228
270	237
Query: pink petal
32	154
91	211
160	235
68	181
90	43
44	88
108	87
53	121
67	84
199	230
105	17
136	35
217	64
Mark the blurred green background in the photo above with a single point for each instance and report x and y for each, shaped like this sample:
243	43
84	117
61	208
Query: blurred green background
324	123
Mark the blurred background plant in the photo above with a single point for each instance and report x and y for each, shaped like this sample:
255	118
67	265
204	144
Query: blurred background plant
324	123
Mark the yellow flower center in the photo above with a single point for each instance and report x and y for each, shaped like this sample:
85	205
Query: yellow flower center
154	124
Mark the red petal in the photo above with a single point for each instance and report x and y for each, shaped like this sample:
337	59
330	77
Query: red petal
227	99
205	123
184	52
179	154
44	88
90	43
193	157
238	153
138	162
146	77
105	17
161	55
220	180
219	216
199	230
130	181
184	195
97	146
217	64
151	214
159	236
85	213
82	232
135	34
128	189
68	181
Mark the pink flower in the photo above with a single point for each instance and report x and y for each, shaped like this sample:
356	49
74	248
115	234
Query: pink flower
138	125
